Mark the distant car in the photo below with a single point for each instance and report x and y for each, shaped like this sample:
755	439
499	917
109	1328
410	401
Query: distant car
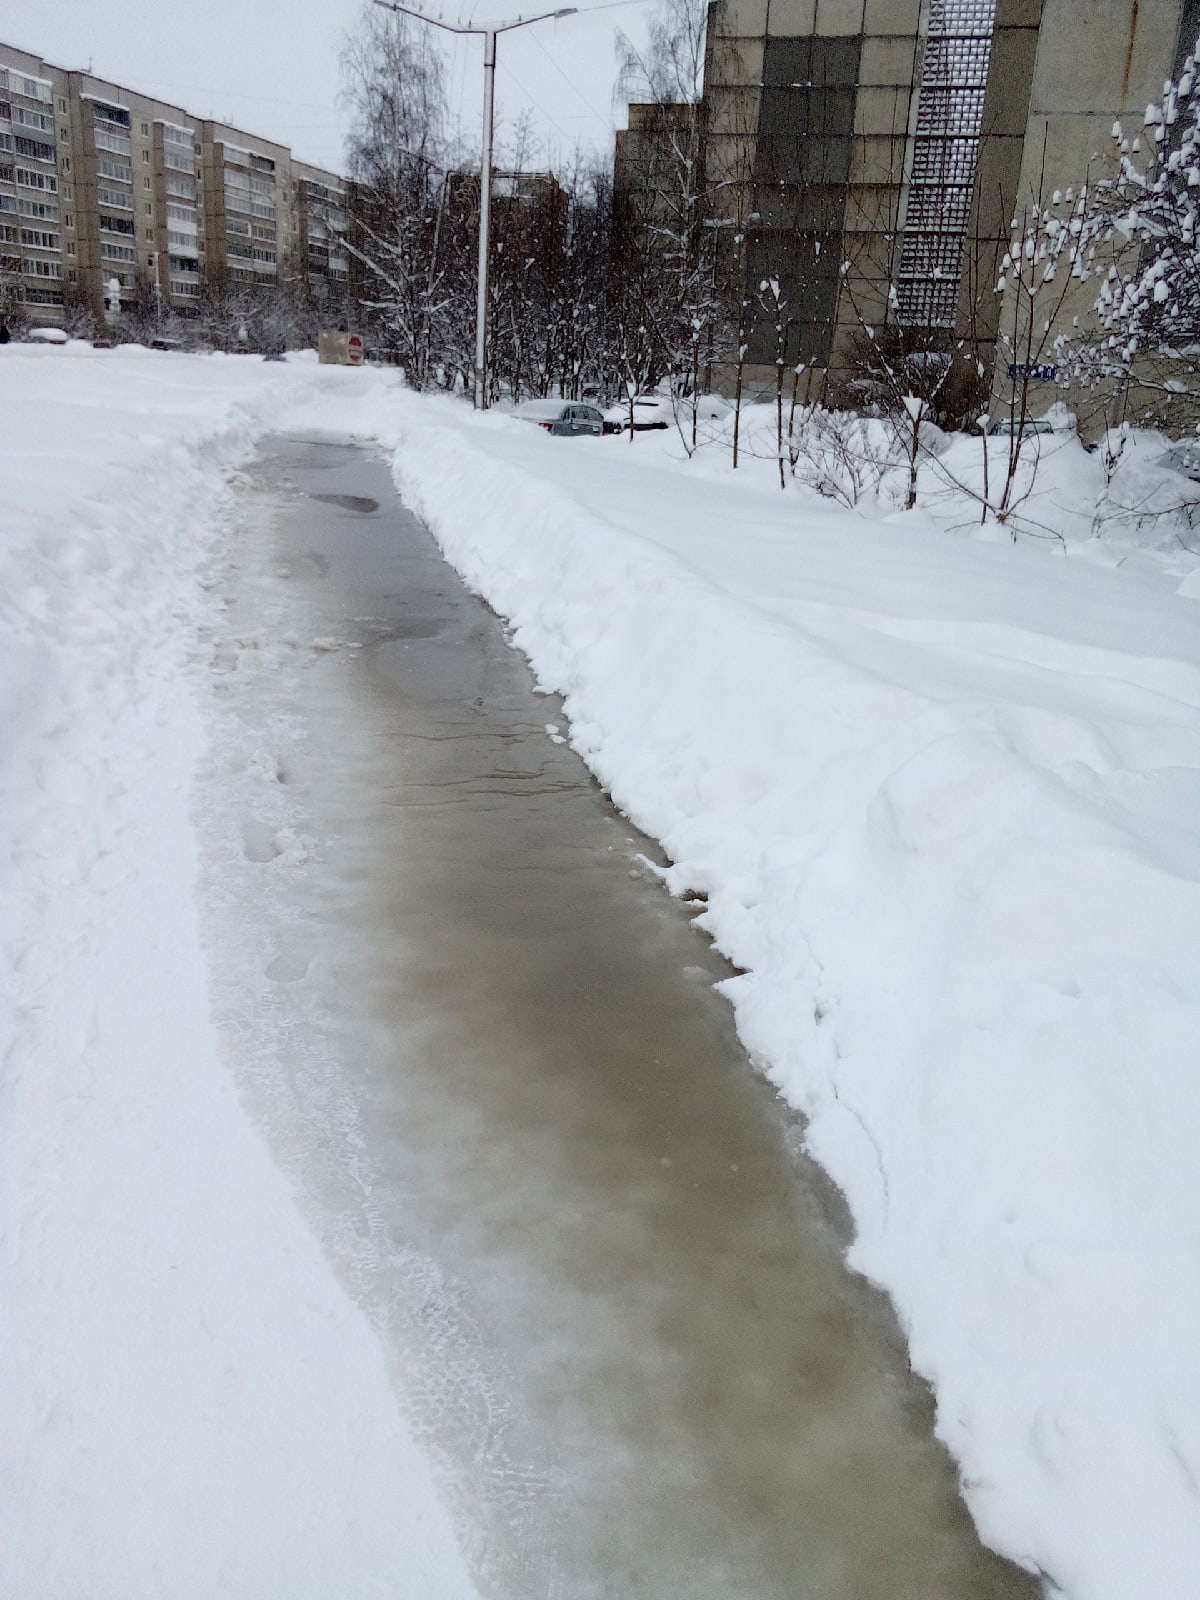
46	336
659	410
1006	427
163	342
566	418
649	411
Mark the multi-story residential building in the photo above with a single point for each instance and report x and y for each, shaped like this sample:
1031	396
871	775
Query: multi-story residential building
868	156
33	241
130	179
323	227
249	229
111	199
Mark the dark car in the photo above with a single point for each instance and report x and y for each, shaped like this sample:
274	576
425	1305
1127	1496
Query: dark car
562	417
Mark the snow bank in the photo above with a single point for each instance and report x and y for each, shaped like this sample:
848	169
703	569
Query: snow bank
943	797
190	1404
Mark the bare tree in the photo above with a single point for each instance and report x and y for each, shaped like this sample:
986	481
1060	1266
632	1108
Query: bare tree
394	83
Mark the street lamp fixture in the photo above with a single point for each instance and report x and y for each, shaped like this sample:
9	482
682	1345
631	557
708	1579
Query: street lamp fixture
488	35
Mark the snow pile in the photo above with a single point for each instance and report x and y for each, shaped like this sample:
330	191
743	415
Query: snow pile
190	1404
943	797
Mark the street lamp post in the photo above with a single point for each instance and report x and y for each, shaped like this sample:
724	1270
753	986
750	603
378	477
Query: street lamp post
485	167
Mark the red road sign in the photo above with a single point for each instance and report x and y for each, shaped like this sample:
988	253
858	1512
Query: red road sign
355	349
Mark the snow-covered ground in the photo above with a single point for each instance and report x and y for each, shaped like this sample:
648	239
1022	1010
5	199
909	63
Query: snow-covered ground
942	793
189	1403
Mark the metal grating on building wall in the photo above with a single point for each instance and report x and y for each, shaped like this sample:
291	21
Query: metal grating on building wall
945	151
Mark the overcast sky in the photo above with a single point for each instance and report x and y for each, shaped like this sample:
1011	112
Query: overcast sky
271	66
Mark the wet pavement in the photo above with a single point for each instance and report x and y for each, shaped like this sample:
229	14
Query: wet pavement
485	1044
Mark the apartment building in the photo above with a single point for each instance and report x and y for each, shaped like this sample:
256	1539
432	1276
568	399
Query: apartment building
870	154
250	229
323	225
112	200
35	243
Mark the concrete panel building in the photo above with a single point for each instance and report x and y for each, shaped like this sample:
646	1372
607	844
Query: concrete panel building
323	224
110	198
870	155
36	244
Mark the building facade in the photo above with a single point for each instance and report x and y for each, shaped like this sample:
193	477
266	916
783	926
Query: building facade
112	201
868	157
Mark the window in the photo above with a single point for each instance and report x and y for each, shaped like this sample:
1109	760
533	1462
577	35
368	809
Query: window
37	180
68	221
146	156
42	210
62	106
117	252
115	224
145	183
189	291
113	199
117	143
944	155
181	188
7	203
184	264
42	269
66	191
38	239
115	169
39	295
33	119
149	208
6	141
7	235
181	214
149	235
145	130
117	115
182	241
34	149
64	135
31	88
66	165
72	276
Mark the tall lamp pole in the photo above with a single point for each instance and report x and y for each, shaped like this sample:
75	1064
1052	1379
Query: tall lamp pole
488	35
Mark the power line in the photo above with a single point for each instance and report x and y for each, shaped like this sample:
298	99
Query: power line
570	81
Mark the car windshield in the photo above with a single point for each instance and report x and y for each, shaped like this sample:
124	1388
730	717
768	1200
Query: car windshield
541	410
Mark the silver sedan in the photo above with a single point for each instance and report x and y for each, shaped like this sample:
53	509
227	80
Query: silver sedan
571	418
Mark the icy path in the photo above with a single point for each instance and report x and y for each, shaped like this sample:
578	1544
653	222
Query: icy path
487	1049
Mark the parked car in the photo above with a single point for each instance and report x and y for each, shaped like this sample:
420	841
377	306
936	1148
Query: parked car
1005	427
649	411
658	411
47	336
566	418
